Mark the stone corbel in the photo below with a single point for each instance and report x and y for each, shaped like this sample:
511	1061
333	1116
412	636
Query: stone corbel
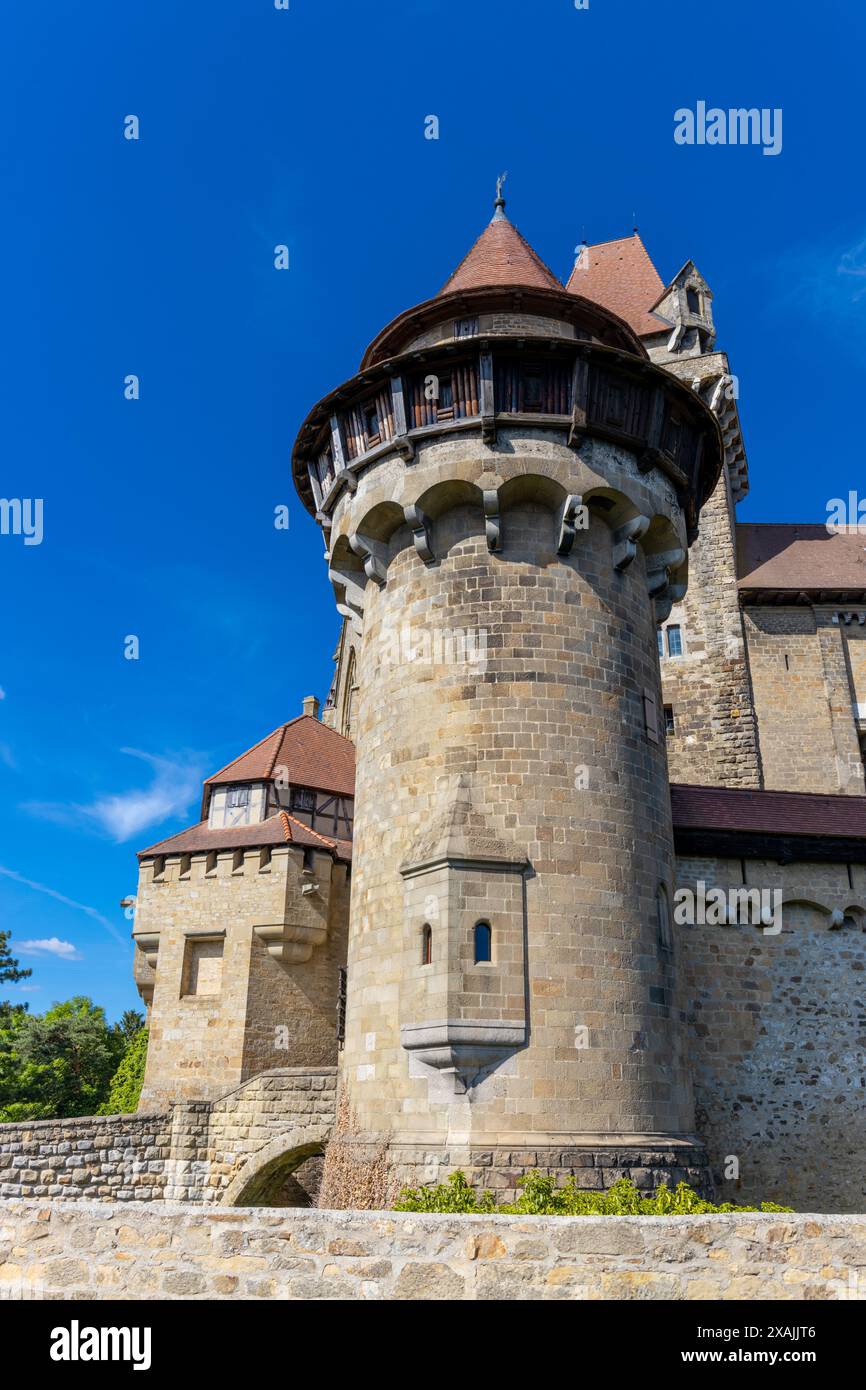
663	606
660	566
148	944
459	1048
492	519
366	550
289	943
625	540
575	518
419	524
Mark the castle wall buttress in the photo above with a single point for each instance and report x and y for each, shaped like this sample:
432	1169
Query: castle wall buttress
714	741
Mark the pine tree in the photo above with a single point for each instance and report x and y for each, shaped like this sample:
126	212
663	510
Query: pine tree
9	968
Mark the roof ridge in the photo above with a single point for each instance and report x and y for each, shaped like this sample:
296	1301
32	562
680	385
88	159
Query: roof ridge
633	236
759	791
309	829
279	729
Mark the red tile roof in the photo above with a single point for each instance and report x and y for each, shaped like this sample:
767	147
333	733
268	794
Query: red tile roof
620	276
501	256
767	812
280	829
313	754
799	557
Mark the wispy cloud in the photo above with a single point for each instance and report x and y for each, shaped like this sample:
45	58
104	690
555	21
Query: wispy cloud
6	755
67	902
2	693
826	281
50	946
853	264
175	785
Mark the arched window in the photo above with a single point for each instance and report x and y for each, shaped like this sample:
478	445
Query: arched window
483	942
665	935
426	944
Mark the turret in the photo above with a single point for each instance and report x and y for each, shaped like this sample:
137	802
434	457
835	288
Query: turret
508	490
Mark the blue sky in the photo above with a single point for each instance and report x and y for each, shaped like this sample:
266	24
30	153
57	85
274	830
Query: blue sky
305	127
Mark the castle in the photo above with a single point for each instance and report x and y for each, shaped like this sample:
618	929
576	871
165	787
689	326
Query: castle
570	690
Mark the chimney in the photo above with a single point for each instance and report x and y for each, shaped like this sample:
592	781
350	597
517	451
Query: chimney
311	705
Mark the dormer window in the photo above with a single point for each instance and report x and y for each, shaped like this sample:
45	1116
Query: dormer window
693	300
240	803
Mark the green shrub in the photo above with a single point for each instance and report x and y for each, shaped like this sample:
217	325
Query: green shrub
125	1087
541	1197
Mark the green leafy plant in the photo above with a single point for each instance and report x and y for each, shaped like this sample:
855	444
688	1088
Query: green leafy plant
541	1197
125	1087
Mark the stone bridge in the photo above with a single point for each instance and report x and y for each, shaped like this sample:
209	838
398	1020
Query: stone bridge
258	1145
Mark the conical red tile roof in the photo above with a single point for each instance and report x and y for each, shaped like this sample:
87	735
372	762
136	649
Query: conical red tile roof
501	256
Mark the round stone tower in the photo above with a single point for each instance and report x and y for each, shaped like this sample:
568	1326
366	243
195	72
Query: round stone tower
508	491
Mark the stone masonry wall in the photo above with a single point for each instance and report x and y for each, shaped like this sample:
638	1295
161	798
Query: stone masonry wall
122	1157
778	1036
94	1250
801	666
201	1043
193	1152
715	736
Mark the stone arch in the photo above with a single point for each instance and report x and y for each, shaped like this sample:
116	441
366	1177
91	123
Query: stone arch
264	1175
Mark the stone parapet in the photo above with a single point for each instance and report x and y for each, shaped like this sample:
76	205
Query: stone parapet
92	1250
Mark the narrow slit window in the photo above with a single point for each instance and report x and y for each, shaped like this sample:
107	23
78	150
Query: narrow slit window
670	726
371	425
426	945
483	942
665	934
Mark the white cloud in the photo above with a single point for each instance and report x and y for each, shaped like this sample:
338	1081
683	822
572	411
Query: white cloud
827	281
174	787
853	263
2	693
61	898
50	946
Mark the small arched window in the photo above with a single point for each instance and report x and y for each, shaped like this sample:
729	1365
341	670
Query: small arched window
483	942
665	935
426	944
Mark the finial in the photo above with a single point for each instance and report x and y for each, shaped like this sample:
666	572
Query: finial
499	205
634	220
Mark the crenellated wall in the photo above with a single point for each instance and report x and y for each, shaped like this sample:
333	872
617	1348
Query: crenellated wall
240	952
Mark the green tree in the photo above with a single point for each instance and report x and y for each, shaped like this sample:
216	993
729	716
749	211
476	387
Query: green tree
9	967
68	1056
131	1023
125	1088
